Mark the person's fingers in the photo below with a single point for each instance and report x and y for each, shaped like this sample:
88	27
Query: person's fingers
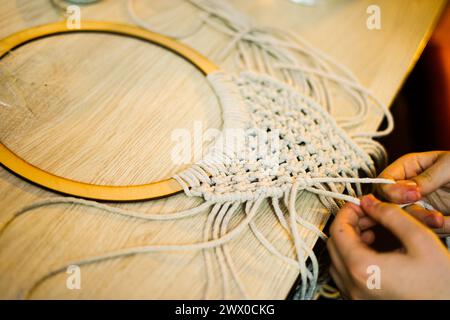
345	235
357	209
417	174
435	176
366	223
411	165
444	231
430	218
349	214
403	191
406	169
368	237
406	228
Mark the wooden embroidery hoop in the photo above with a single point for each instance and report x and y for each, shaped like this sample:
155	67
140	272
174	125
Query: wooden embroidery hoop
80	189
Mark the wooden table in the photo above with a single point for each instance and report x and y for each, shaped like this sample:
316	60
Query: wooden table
101	108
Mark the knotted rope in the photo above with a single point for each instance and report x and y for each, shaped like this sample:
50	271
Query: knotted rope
285	94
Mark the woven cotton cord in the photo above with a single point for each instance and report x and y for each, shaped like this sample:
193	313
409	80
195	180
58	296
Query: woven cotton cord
216	226
146	25
208	244
222	213
216	190
236	112
219	238
281	54
322	70
216	234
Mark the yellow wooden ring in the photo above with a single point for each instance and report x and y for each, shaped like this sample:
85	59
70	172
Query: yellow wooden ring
80	189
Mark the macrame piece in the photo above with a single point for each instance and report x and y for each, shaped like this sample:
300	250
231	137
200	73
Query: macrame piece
285	56
311	153
278	139
288	139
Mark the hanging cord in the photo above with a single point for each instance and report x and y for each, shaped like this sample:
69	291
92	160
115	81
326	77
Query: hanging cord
228	258
280	46
210	244
224	238
358	87
271	49
146	25
306	291
274	52
92	204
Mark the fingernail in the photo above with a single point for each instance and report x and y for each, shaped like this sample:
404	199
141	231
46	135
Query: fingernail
407	185
410	183
434	221
355	207
412	196
368	201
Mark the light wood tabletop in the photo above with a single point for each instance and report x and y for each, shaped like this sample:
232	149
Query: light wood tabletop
101	108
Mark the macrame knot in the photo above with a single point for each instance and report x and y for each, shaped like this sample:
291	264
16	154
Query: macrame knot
304	182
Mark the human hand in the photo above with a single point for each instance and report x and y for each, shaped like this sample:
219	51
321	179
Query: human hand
421	176
421	270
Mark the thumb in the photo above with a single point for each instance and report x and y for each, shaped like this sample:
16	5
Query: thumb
406	228
433	177
445	230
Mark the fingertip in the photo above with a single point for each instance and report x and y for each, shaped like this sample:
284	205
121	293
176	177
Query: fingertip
355	208
389	192
385	187
368	237
435	220
366	223
411	196
408	184
403	191
368	201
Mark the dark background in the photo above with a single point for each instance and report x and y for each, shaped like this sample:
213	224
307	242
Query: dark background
422	108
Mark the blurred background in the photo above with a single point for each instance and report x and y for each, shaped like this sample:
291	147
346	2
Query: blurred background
422	107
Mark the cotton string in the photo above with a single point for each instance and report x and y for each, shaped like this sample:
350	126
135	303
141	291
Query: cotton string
224	238
210	244
276	52
146	25
298	78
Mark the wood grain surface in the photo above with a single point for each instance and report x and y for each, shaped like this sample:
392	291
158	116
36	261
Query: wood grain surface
101	109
